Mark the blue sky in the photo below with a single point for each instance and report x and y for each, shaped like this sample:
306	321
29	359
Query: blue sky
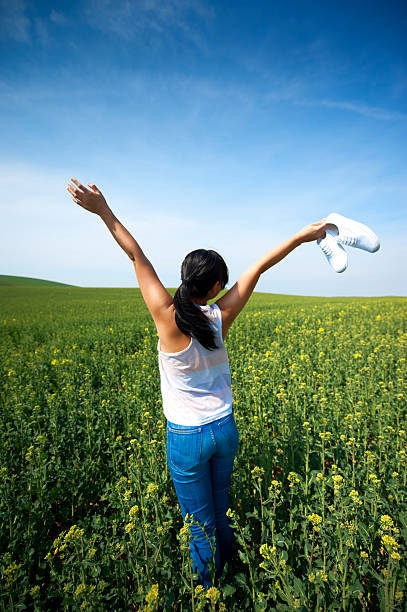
218	125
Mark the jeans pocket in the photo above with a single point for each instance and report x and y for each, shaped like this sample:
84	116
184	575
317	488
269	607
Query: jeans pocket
184	448
230	432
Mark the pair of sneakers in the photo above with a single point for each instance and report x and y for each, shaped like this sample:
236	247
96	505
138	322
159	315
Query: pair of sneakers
341	230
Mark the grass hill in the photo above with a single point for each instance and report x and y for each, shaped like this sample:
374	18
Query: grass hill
25	281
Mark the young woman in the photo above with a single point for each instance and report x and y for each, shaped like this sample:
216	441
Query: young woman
202	438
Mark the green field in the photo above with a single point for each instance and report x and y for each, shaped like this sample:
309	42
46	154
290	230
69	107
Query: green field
27	281
89	519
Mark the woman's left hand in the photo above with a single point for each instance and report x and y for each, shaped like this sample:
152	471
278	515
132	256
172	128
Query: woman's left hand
91	199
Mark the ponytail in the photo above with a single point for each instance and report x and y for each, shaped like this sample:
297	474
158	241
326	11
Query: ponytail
200	270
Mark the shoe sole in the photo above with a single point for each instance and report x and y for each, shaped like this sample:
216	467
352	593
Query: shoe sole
329	263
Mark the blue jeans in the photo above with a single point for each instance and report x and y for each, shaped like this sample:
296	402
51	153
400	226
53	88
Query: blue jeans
200	460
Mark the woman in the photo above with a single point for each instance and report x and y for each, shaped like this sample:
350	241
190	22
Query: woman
202	438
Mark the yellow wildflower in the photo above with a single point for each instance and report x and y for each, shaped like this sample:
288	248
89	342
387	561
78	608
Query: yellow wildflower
316	521
213	595
257	472
133	512
10	573
266	551
386	523
152	489
81	588
275	488
152	595
35	591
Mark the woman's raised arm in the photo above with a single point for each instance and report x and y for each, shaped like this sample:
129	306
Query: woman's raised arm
158	300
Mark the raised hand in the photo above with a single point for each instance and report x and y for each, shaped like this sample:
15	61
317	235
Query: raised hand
91	199
313	231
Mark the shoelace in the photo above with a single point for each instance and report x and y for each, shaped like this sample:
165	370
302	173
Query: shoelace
349	240
326	248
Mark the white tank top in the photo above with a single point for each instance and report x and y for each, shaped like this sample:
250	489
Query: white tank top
196	384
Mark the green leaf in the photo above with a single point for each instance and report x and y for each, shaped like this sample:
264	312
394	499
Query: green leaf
228	590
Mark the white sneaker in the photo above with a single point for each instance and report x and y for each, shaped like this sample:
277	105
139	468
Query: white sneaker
334	252
352	233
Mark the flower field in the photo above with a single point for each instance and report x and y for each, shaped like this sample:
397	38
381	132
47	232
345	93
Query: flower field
89	519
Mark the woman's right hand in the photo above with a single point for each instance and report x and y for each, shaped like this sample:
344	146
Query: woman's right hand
90	199
313	231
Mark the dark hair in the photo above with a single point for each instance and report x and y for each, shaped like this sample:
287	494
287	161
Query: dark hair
200	270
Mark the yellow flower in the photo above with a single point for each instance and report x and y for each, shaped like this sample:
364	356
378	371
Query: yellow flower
266	551
184	535
274	488
389	543
257	472
10	573
199	591
293	479
322	575
338	483
386	522
152	596
316	520
81	588
355	497
152	489
74	534
213	595
29	454
325	435
133	512
34	592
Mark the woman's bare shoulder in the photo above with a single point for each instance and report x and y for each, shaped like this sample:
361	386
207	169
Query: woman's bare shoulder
172	339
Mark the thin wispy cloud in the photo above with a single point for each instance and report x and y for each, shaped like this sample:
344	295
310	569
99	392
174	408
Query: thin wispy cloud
19	23
296	92
58	18
197	90
14	22
367	111
150	19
